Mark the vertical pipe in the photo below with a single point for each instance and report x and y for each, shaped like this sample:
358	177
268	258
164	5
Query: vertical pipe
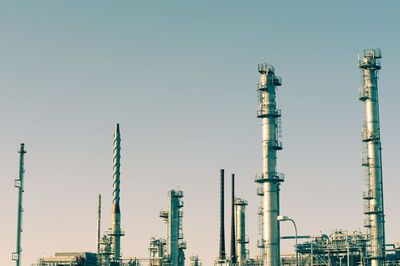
233	238
98	224
270	178
19	183
369	65
222	222
116	232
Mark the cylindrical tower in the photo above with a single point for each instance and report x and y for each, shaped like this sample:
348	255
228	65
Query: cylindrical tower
19	183
174	229
116	231
222	254
233	235
270	178
98	226
241	238
369	64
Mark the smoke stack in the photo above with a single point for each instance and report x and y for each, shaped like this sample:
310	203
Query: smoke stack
222	227
233	238
98	224
116	232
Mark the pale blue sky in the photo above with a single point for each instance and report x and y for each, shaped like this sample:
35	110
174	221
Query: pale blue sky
180	78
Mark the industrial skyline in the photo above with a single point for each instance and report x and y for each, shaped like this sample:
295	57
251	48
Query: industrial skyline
65	84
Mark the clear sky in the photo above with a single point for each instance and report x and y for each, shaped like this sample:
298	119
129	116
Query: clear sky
180	77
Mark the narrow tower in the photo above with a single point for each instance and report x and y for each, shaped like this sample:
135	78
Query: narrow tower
116	231
369	64
173	217
270	178
241	238
98	225
19	183
233	235
222	254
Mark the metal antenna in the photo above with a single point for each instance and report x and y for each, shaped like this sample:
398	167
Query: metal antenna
19	183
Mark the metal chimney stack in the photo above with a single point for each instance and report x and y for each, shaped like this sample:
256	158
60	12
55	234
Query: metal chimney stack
222	254
19	183
233	235
369	64
270	178
98	225
116	231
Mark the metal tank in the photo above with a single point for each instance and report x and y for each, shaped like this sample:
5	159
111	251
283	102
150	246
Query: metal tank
241	238
369	64
116	231
270	178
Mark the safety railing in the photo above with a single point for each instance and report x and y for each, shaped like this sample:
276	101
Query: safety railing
268	110
271	177
374	53
369	62
363	94
260	191
265	68
163	214
368	135
369	194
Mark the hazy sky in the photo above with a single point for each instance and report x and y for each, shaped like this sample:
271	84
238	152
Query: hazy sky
180	77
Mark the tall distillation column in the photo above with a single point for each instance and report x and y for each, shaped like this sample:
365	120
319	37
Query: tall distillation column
116	231
369	64
173	218
270	178
19	183
241	237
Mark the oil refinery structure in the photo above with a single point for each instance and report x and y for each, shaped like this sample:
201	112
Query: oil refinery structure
363	247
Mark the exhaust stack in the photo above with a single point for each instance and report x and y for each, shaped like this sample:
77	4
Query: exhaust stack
116	231
233	235
98	224
222	254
